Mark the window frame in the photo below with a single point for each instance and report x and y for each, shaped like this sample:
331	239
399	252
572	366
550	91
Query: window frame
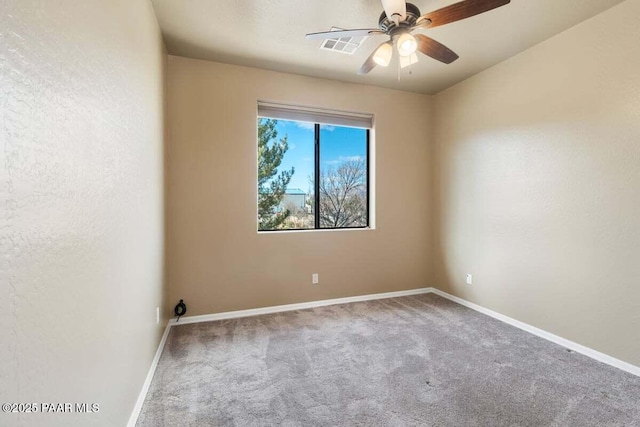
316	183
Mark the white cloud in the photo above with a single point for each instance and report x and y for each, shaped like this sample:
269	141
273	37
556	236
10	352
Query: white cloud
311	126
305	125
343	159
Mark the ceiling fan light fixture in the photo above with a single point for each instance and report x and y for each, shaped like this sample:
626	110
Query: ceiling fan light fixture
383	54
407	44
397	21
406	61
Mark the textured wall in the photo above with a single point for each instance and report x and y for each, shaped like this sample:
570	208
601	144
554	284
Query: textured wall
81	199
538	177
216	259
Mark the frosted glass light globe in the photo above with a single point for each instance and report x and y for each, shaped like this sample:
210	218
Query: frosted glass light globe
383	54
407	44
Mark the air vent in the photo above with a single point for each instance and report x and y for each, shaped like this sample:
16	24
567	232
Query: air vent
346	45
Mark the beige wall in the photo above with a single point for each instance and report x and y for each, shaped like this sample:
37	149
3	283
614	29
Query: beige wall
81	205
216	259
536	188
538	181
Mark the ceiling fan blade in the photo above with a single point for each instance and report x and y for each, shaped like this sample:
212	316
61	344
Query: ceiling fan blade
370	63
344	33
434	49
396	8
459	11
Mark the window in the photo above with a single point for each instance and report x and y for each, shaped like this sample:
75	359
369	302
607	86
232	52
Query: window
313	169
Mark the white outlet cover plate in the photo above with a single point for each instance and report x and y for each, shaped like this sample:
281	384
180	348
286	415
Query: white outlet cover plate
469	279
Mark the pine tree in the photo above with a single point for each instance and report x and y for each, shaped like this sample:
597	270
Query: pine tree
271	184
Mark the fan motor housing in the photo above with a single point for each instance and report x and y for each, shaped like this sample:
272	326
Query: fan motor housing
387	25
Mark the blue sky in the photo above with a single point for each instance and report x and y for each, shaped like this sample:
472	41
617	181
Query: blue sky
338	144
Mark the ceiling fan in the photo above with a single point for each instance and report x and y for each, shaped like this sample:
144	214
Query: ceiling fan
399	19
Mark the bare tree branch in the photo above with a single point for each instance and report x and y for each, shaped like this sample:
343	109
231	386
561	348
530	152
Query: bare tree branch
343	190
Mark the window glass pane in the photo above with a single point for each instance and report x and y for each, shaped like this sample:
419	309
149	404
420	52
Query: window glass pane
286	152
343	177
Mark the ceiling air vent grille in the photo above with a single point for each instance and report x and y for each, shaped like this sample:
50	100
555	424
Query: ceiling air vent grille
346	45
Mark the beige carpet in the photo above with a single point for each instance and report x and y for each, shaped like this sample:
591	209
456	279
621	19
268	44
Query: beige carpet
410	361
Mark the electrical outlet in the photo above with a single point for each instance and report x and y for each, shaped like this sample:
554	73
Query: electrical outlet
157	315
314	279
469	279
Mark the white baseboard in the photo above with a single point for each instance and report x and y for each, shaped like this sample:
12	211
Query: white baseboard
299	306
147	382
601	357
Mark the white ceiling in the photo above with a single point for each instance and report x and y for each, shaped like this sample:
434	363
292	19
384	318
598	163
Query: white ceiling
270	35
